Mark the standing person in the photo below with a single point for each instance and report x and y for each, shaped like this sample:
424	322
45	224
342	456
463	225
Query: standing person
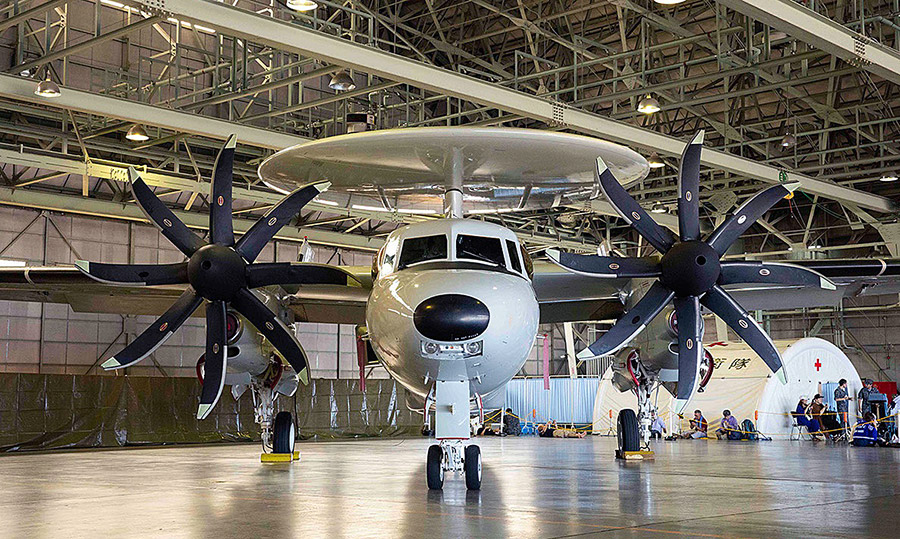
842	398
863	397
730	429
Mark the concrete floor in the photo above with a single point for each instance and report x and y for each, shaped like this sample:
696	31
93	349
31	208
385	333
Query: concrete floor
532	488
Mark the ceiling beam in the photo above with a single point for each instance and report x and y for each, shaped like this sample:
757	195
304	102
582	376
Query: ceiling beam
22	89
295	38
823	33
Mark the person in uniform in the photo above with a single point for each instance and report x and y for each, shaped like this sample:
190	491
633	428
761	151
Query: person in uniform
842	399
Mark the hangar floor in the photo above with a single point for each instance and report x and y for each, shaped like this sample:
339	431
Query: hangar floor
532	488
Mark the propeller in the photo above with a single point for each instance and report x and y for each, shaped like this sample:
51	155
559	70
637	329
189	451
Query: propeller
220	273
690	272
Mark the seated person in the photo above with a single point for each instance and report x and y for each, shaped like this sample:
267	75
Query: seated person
657	426
805	420
730	429
698	428
816	412
551	430
866	434
511	424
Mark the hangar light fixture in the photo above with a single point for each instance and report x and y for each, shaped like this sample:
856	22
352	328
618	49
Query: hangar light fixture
47	88
788	140
342	82
137	133
668	2
654	161
888	178
648	105
659	207
302	5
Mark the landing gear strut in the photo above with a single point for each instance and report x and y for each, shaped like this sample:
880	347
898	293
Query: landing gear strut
451	421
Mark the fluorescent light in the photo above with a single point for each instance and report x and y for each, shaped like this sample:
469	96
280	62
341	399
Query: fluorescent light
668	2
327	202
888	178
659	207
490	210
415	211
7	263
112	3
368	208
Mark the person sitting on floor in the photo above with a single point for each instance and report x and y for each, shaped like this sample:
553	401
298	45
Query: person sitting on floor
552	430
657	426
730	429
511	424
805	420
866	434
699	426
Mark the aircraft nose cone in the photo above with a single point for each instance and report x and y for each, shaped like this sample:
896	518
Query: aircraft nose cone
451	317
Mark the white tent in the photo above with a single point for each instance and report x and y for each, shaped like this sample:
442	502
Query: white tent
743	384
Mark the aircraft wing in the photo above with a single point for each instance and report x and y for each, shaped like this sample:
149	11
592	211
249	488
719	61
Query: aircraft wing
569	297
66	284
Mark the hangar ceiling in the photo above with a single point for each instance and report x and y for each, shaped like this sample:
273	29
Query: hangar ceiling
777	99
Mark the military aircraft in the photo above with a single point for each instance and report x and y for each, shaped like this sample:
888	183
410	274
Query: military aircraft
451	306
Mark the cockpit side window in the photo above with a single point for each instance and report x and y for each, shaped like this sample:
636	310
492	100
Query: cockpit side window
513	256
529	265
481	248
421	249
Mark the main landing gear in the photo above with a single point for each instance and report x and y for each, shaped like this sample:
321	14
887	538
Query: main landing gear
451	421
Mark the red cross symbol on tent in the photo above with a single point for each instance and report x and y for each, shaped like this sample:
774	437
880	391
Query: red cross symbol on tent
817	364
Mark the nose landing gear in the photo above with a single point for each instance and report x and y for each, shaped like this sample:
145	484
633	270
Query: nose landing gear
452	456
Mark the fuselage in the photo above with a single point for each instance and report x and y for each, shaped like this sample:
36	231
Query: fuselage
452	300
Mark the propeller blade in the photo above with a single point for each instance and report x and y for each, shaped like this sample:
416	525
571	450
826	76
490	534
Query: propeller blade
297	274
726	308
690	348
274	330
689	189
134	274
216	358
171	227
631	211
604	266
631	323
154	336
269	224
722	238
220	226
772	273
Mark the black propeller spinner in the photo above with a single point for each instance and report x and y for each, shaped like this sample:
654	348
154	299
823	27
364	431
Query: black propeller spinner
690	272
221	272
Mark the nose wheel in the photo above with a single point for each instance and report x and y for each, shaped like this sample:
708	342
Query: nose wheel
451	456
284	433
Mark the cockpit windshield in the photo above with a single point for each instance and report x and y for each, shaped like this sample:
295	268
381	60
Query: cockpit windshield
421	249
481	248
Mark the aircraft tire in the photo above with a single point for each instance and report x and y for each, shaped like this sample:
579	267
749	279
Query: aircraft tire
434	469
627	431
473	467
284	433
